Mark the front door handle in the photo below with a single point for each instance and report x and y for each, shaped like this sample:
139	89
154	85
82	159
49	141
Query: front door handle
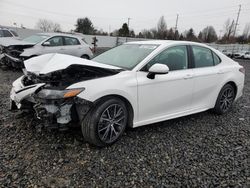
188	76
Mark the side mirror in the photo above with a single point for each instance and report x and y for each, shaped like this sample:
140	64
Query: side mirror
47	43
157	69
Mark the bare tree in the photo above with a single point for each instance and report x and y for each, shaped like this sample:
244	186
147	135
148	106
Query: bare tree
229	28
208	34
56	27
47	25
162	28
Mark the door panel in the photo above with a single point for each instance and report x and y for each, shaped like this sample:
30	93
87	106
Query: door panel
166	94
72	46
206	86
56	45
207	77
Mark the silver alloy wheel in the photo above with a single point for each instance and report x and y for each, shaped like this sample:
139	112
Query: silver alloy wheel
111	123
226	99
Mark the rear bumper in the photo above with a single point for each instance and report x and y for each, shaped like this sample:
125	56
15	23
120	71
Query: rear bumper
239	91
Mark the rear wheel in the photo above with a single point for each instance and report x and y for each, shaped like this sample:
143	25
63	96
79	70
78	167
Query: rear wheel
105	123
225	99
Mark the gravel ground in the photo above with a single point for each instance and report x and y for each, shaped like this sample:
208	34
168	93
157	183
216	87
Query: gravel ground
202	150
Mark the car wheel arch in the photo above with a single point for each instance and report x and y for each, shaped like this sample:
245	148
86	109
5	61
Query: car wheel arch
232	83
85	56
127	103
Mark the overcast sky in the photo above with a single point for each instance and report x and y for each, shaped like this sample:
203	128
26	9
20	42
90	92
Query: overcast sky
110	14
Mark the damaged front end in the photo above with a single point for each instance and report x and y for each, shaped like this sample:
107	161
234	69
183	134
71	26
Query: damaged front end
46	93
12	55
59	109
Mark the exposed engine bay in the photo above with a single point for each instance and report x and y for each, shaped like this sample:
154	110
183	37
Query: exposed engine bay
44	90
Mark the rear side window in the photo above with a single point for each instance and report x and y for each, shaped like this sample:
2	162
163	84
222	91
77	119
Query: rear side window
71	41
216	59
6	33
202	57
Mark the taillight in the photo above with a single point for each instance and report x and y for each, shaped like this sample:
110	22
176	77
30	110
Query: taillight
242	69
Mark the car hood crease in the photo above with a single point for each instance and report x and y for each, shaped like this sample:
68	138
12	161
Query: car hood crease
48	63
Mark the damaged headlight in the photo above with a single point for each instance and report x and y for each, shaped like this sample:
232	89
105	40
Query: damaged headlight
58	94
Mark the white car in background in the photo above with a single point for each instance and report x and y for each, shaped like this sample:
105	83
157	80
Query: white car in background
242	55
16	51
8	33
135	84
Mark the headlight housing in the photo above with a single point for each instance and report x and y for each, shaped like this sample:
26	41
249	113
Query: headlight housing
59	94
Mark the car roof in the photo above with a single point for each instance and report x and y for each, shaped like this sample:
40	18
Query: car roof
166	42
61	34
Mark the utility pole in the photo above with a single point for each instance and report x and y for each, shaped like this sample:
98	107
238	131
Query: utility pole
237	20
176	23
128	21
128	29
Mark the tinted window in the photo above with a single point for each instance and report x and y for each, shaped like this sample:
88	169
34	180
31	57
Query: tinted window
202	57
71	41
175	58
14	33
6	33
1	33
216	59
126	56
56	41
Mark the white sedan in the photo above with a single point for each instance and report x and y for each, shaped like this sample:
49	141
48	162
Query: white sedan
135	84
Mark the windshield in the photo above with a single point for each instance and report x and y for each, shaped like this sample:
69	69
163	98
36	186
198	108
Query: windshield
126	56
35	38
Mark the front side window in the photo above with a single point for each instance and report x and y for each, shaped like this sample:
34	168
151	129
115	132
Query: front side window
6	33
126	56
56	41
71	41
202	57
175	58
1	33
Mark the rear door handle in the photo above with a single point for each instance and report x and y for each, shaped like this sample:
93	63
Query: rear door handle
188	76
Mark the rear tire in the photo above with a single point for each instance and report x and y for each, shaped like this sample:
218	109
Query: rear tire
225	99
105	123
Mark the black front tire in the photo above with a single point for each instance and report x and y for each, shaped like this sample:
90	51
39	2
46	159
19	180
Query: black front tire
100	117
225	99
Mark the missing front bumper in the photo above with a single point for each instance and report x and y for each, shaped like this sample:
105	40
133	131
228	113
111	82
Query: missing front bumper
62	113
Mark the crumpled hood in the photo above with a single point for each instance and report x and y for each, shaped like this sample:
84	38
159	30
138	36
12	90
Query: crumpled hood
12	41
48	63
